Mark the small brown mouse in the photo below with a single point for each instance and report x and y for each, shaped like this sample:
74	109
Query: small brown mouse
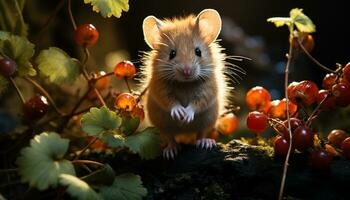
184	72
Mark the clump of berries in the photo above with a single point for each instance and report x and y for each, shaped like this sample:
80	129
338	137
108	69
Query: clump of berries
273	113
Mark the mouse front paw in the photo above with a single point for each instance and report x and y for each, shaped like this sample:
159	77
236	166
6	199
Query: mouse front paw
189	114
178	112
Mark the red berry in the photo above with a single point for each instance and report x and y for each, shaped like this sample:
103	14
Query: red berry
294	124
341	91
227	124
305	93
336	137
125	69
320	159
125	101
278	109
281	146
327	98
257	122
7	67
258	98
86	35
290	89
346	147
35	108
138	111
306	40
346	72
331	150
302	138
329	80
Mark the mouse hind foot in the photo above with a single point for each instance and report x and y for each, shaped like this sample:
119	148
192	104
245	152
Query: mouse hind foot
171	150
206	143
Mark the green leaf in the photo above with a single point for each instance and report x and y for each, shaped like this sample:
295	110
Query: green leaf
130	125
301	21
279	21
104	176
125	187
78	188
109	8
3	84
20	50
58	65
113	139
42	162
99	120
146	143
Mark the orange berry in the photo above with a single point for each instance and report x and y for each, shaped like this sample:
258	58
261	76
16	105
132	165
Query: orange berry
125	69
227	124
125	101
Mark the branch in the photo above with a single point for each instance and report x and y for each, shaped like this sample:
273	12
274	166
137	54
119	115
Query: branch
19	93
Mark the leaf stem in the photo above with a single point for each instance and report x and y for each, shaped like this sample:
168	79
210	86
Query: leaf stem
88	162
103	76
45	93
286	77
85	148
19	93
314	59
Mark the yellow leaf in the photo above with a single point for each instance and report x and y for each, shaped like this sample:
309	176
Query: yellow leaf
109	8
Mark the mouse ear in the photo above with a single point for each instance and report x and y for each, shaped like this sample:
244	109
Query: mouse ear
209	24
151	26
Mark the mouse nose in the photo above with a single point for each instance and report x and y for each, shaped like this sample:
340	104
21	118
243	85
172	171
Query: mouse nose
187	71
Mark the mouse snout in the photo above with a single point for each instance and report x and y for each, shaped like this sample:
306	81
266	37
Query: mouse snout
187	71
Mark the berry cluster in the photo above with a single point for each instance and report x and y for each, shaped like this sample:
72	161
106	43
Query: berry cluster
303	94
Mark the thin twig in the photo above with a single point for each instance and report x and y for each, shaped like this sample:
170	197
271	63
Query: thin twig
311	117
74	24
286	76
103	76
127	84
88	162
313	59
45	93
85	148
51	17
8	170
20	95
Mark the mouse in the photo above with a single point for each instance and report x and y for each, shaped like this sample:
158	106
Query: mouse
184	77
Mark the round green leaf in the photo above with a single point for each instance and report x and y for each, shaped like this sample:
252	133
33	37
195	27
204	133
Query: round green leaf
20	50
125	187
78	188
146	143
99	120
42	162
301	21
58	65
109	8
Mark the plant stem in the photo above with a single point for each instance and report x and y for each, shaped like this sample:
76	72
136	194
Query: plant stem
74	24
101	77
45	93
314	59
311	117
286	76
51	17
85	148
127	84
20	95
8	170
88	162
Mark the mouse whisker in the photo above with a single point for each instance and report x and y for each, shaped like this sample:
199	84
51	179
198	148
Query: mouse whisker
232	77
161	43
238	58
235	67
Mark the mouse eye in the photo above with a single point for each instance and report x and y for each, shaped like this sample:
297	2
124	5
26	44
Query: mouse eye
172	54
198	52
